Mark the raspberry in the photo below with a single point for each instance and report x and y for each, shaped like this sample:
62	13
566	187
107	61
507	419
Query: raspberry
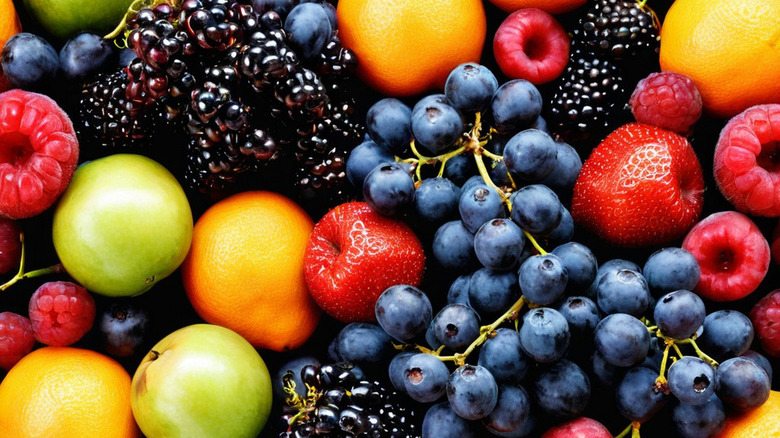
667	100
40	152
10	245
61	313
16	339
766	322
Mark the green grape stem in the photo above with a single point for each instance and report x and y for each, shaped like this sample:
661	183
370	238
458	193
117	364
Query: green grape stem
21	275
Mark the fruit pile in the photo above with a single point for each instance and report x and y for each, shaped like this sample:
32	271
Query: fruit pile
376	218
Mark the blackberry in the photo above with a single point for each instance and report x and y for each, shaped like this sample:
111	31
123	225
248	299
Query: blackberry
588	97
341	404
216	25
620	29
266	59
107	118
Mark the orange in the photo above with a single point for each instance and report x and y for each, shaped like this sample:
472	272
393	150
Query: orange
244	270
761	422
406	47
729	48
66	392
9	26
549	6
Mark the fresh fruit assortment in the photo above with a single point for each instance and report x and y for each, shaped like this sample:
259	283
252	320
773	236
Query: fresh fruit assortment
305	218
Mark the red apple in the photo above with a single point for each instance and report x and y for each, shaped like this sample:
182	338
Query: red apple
531	44
353	255
581	427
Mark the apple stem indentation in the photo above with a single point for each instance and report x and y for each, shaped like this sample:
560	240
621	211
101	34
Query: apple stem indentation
21	275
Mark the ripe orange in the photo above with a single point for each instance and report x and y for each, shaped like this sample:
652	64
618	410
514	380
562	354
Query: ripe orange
549	6
244	270
66	392
763	421
9	26
406	47
729	48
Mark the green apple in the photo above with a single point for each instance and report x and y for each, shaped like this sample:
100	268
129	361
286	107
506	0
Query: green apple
202	380
123	224
66	18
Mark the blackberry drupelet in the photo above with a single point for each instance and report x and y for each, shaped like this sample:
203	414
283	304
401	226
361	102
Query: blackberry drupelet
588	97
620	30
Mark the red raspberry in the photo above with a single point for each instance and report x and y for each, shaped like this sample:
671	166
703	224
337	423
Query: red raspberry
61	313
766	322
10	245
667	100
16	339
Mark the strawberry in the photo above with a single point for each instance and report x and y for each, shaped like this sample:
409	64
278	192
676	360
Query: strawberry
641	186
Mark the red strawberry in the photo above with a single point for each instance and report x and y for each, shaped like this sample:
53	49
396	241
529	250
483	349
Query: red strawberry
641	186
353	255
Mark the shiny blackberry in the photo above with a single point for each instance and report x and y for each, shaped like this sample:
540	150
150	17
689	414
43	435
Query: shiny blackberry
216	24
302	96
620	30
266	59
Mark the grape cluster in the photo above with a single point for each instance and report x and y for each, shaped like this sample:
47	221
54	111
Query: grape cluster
525	334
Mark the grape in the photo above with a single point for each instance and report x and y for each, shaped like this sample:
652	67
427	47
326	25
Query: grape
436	200
536	209
479	204
579	262
502	355
760	360
282	7
361	342
459	168
430	99
492	292
123	328
498	244
605	373
441	421
622	340
564	231
395	370
430	338
515	106
389	123
727	333
582	315
469	87
453	246
85	55
542	279
611	265
637	397
623	291
308	29
544	335
530	155
670	269
404	312
425	377
363	159
567	168
459	291
679	314
512	411
691	380
436	127
699	421
562	390
456	326
389	189
742	384
471	182
472	392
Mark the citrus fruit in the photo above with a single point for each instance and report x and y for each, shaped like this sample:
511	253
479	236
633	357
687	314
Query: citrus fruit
405	47
9	26
66	392
763	421
729	48
244	270
549	6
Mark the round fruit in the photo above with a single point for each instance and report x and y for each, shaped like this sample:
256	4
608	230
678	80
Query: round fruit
123	224
9	26
550	6
65	18
66	392
407	47
761	421
731	73
245	269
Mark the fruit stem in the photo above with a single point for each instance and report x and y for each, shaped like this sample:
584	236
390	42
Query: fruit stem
625	431
660	382
21	275
485	332
486	177
702	355
534	243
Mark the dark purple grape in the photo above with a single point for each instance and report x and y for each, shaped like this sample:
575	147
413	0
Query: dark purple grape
29	61
530	155
86	55
503	356
679	314
470	87
472	392
544	335
425	377
404	312
638	398
691	380
456	326
542	279
124	329
622	340
562	390
742	384
308	29
498	244
389	123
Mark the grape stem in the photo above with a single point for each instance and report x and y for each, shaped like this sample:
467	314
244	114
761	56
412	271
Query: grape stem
632	428
21	275
485	332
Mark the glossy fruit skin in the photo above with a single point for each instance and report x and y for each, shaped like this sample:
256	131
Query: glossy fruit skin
580	427
641	186
309	29
531	44
353	255
202	379
123	224
65	18
29	61
85	55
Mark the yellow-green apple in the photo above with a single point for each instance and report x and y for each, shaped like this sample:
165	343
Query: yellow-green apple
123	224
202	380
65	18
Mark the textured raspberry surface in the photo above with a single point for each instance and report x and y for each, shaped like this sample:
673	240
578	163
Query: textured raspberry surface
16	339
61	313
666	100
766	322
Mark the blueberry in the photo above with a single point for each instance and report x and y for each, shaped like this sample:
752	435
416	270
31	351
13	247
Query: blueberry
389	123
530	155
308	29
404	312
515	106
389	189
703	420
536	209
622	340
582	314
360	342
564	231
470	87
430	100
395	370
126	57
623	291
425	377
670	269
727	333
124	329
679	314
492	292
458	293
436	200
544	335
562	390
472	392
436	127
441	420
453	246
363	159
498	244
691	380
456	326
503	356
543	278
742	384
479	204
580	263
85	55
29	62
637	398
512	412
